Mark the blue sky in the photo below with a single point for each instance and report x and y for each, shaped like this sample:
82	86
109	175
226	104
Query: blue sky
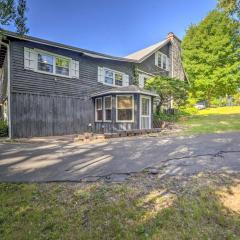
116	27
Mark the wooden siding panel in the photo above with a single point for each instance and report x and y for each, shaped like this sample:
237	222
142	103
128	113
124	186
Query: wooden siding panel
41	115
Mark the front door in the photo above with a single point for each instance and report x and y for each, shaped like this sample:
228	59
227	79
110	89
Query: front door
145	112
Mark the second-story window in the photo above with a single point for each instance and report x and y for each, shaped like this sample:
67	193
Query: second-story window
49	63
109	77
62	66
112	77
45	63
118	79
161	60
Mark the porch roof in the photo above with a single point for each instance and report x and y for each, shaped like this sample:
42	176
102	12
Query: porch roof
125	89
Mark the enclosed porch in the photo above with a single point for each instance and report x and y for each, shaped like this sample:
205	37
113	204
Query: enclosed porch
123	109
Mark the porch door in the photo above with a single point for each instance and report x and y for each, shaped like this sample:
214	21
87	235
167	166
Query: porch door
145	112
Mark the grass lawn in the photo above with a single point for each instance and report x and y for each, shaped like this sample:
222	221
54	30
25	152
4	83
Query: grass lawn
204	207
213	120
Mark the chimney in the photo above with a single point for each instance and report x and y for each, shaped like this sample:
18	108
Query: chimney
170	36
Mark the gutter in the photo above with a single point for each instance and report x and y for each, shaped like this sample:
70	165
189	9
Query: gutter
8	89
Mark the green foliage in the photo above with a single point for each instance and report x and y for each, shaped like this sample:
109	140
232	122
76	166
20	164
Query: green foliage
211	56
11	13
236	98
3	128
166	117
187	111
231	7
166	88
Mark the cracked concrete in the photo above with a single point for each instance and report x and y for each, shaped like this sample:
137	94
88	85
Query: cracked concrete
117	159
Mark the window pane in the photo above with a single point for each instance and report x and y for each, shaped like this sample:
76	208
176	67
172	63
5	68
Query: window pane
108	102
164	62
145	106
62	66
45	63
159	59
98	103
99	115
125	114
108	114
124	102
118	79
108	77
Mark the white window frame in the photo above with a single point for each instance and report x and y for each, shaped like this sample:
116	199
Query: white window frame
54	63
104	108
150	111
125	95
161	55
96	120
114	72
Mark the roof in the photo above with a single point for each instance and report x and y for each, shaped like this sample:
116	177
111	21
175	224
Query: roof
125	89
144	53
63	46
136	57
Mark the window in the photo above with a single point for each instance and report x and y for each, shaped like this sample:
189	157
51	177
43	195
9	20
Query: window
118	79
62	66
125	108
108	77
108	108
98	107
45	63
113	78
161	60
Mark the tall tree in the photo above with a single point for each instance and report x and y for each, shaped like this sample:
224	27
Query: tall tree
168	88
211	56
10	12
231	7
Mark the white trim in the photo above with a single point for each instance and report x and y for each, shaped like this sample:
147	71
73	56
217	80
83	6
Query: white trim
9	94
98	109
150	111
104	109
124	95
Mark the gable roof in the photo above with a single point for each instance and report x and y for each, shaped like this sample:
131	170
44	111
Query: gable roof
142	54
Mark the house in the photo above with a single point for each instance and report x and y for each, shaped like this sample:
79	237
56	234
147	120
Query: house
48	88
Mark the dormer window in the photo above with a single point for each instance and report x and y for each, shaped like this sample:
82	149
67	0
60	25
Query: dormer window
162	61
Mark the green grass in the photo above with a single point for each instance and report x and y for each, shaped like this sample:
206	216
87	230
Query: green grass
111	211
213	120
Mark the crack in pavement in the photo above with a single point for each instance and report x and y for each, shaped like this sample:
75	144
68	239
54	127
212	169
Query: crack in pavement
108	176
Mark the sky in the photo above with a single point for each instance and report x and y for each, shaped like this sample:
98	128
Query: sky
115	27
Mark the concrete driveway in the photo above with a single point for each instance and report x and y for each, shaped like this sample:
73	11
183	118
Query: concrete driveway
64	160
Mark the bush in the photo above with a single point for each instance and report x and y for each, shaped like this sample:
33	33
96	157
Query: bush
166	117
188	111
3	128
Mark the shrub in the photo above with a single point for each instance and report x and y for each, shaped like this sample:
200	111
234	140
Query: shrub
188	111
166	117
3	128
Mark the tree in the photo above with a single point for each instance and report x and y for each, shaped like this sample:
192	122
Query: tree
211	56
168	88
231	7
10	13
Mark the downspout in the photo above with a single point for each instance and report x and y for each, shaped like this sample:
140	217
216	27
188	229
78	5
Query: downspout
8	89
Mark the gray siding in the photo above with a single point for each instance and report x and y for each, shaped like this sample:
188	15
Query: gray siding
149	66
45	115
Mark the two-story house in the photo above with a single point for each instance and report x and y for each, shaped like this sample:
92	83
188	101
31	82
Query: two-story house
48	88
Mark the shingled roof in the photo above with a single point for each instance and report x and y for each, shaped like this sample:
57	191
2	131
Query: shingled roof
146	52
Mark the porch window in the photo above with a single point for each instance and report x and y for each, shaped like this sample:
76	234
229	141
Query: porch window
98	109
108	109
125	108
